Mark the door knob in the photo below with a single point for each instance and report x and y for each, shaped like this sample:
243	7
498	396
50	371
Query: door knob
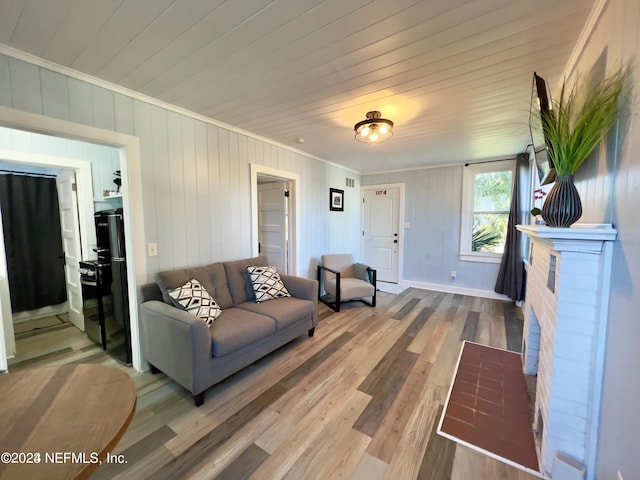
395	241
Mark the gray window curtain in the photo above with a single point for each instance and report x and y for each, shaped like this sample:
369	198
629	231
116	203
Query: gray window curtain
33	241
511	277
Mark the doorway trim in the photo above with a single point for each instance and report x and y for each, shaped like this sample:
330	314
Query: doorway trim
129	151
294	180
402	225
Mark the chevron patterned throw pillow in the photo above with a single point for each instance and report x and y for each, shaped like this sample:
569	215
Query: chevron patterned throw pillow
267	283
195	299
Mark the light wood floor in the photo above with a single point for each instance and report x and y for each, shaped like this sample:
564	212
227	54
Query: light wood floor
361	399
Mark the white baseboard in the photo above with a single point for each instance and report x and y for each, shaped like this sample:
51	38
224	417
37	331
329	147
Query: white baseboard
49	311
472	292
395	288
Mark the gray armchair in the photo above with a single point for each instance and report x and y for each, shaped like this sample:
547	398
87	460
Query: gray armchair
342	280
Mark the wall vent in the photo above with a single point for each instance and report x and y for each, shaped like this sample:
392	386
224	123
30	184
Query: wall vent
350	182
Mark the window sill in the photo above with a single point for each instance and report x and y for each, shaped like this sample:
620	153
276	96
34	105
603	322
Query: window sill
480	257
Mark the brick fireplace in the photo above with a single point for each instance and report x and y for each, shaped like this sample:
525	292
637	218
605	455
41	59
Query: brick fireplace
565	319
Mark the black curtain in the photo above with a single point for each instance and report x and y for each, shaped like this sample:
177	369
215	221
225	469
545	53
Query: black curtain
511	277
33	241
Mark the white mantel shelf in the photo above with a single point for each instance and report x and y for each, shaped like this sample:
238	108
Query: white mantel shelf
580	237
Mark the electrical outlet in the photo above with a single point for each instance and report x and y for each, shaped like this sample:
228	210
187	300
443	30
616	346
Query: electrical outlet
452	277
152	249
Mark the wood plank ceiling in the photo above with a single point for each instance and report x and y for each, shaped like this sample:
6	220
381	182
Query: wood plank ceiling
454	75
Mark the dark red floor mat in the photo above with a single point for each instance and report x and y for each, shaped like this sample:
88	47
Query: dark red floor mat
488	407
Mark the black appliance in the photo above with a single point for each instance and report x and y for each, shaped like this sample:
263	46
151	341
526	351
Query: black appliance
97	302
107	316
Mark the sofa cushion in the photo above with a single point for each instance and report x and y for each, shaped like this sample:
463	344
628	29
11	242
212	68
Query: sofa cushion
350	288
170	279
238	278
195	299
218	278
340	262
212	277
236	328
285	311
267	284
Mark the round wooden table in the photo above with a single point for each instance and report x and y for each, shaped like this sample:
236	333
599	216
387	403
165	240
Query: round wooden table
62	422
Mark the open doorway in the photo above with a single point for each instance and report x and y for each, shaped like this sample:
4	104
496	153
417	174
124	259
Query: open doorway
274	202
42	186
128	151
273	221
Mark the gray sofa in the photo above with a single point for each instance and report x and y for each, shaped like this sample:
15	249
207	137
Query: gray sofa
184	348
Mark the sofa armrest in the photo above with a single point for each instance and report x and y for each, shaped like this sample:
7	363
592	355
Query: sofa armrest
301	287
148	292
175	342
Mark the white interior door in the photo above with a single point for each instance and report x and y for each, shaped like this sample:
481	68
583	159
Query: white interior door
69	223
381	231
272	224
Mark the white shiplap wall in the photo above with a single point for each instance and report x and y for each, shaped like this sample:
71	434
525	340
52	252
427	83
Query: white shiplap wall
195	174
104	159
609	185
433	199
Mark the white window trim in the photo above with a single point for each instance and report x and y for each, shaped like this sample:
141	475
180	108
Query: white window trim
466	220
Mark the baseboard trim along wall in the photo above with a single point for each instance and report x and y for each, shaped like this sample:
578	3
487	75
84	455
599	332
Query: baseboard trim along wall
472	292
49	311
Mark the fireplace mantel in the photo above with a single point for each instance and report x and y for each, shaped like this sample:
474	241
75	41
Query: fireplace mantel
565	323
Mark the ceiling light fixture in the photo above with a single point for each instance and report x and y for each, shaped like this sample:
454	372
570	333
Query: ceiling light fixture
374	129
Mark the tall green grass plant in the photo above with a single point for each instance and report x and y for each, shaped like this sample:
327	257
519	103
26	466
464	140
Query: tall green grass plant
579	119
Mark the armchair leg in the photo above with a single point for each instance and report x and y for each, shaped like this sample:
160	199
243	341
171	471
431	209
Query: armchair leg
373	278
372	303
312	331
335	306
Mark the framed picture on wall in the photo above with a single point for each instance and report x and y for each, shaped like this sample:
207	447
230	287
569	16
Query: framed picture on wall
336	200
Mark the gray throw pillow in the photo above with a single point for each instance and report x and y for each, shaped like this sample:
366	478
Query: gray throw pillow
360	271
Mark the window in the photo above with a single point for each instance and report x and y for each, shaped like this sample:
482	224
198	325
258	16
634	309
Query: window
486	199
